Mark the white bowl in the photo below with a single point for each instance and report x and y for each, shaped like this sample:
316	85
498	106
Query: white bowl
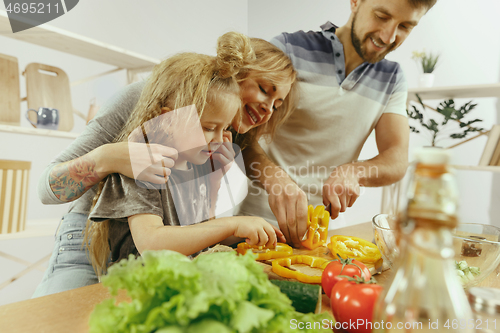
477	244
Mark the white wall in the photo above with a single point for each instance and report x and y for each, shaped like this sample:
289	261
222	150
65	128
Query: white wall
267	19
464	32
153	28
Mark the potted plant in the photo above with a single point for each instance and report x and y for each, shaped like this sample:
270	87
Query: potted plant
427	62
449	118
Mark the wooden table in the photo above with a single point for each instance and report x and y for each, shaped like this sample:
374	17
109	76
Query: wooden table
69	311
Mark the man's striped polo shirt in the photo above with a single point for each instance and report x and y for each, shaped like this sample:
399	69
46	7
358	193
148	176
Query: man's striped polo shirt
335	114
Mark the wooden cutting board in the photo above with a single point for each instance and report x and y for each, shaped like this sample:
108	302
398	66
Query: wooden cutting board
48	86
10	98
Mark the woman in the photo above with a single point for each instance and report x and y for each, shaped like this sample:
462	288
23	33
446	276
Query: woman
267	84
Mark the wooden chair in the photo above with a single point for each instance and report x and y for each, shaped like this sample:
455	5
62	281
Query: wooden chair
14	180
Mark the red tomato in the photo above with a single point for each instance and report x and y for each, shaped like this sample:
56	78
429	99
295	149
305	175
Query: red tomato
353	303
347	267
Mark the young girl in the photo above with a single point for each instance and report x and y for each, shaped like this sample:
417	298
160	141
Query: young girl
128	218
267	88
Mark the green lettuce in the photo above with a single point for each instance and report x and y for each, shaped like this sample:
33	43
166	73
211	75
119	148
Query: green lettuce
216	292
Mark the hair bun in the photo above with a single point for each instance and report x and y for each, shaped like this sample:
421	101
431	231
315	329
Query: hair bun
234	51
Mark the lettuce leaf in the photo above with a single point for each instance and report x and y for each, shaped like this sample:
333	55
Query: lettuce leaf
216	292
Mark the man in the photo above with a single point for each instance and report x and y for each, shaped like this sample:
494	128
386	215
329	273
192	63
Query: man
347	89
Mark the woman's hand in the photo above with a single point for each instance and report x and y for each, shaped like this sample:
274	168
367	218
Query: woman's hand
287	200
288	203
222	160
223	157
257	231
145	162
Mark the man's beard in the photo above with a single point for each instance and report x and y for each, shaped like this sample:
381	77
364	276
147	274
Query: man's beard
361	49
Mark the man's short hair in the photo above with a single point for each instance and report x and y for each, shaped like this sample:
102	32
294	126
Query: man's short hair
422	3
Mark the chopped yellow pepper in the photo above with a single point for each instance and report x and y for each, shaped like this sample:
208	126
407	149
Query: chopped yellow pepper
317	227
280	267
354	247
281	250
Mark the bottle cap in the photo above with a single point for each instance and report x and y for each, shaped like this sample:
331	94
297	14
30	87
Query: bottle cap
432	156
485	300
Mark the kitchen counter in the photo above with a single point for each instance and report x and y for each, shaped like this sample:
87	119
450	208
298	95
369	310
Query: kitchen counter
69	311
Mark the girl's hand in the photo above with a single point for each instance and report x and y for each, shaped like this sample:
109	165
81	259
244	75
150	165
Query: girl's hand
257	231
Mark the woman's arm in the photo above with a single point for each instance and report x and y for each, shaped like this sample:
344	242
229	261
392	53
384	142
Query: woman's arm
287	200
100	131
70	180
149	233
93	156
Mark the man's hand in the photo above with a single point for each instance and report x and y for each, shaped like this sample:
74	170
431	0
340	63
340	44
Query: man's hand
341	189
289	204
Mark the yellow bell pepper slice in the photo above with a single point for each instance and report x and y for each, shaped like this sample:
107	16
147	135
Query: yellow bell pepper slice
280	267
317	227
281	250
354	247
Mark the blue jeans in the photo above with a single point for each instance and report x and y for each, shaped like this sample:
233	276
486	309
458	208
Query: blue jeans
69	265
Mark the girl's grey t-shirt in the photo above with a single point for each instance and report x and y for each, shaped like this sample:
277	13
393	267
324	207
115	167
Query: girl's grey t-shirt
184	201
103	129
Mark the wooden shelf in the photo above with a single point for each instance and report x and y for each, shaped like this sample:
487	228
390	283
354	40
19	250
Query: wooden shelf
68	42
491	168
35	131
472	91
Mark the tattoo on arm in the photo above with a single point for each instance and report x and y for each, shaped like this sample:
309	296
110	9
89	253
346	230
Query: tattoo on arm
70	180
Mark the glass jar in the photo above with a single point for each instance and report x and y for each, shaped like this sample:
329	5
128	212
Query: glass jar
425	294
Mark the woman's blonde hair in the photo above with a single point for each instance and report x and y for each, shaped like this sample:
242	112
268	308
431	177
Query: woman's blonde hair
271	64
181	80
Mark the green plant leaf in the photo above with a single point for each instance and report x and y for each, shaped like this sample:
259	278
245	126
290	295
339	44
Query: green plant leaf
449	111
